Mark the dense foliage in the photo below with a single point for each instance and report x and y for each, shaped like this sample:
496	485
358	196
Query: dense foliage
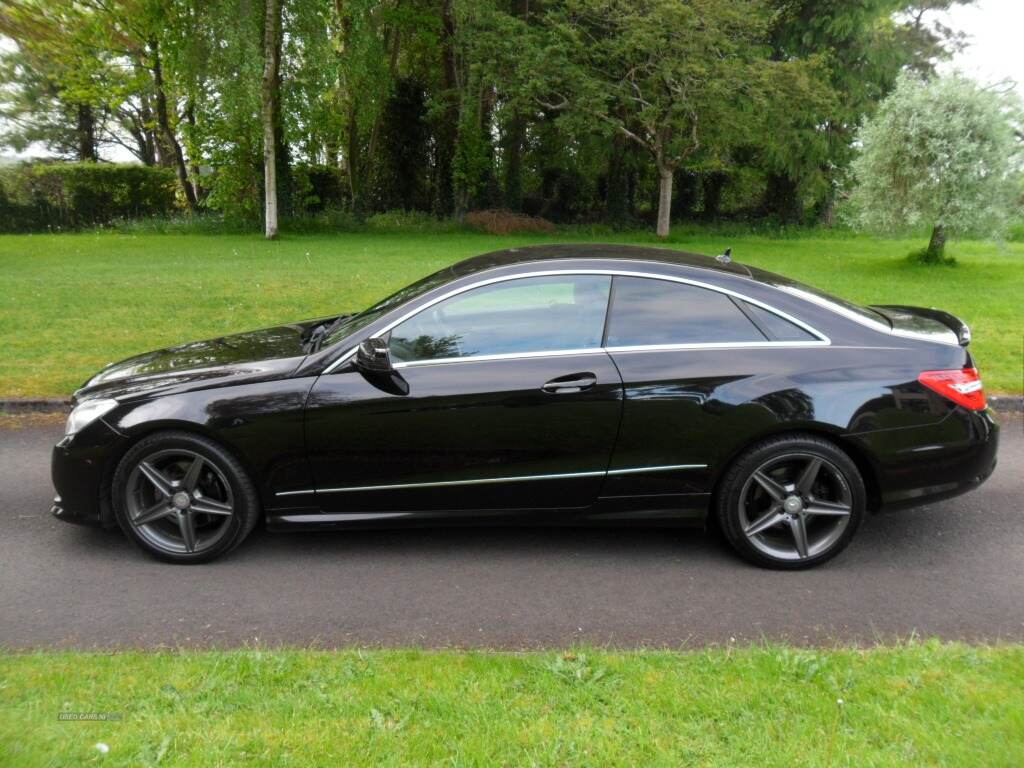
574	110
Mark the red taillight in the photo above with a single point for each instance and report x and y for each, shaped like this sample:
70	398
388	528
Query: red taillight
963	386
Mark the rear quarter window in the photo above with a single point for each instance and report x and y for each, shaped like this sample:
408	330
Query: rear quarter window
648	311
777	328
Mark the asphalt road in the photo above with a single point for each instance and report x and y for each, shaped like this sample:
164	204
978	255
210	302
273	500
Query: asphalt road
954	570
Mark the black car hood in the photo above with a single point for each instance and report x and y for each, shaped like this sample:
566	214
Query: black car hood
261	355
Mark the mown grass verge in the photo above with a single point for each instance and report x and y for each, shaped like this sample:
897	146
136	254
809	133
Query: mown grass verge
72	303
916	704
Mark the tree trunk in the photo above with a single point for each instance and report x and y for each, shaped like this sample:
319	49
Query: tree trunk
282	152
392	42
271	33
150	144
86	131
664	200
936	250
449	128
513	192
491	192
194	171
352	155
164	120
712	193
616	200
782	199
350	150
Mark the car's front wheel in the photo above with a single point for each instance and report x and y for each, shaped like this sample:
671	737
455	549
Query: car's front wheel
183	498
791	502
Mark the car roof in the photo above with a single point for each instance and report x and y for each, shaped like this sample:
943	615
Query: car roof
590	251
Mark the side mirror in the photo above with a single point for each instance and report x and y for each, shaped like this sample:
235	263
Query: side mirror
374	356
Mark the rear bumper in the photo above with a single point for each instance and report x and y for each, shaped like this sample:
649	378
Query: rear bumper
927	464
81	467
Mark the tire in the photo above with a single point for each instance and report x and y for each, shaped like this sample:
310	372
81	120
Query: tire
180	511
757	513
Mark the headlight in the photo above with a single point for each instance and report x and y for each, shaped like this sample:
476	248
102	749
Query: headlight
86	413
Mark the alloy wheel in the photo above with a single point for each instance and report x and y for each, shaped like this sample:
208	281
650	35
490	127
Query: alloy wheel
795	506
179	501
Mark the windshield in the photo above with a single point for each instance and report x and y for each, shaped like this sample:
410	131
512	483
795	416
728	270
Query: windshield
346	326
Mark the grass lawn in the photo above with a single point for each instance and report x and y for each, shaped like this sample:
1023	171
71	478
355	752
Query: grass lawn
917	704
72	303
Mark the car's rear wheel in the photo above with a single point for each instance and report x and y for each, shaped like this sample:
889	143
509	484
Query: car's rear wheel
791	502
183	498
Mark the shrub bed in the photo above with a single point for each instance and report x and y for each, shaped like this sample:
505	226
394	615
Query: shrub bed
500	222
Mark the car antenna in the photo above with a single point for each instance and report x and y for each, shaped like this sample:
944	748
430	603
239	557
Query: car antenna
726	257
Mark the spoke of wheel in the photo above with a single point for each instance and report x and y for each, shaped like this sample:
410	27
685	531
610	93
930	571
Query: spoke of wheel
799	531
158	511
767	520
834	508
774	489
191	478
806	480
151	473
211	506
188	530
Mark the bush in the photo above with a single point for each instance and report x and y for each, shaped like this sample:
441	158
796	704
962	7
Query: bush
410	221
328	220
49	196
205	223
500	222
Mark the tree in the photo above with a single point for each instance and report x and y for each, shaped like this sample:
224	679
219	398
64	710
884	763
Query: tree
678	79
940	153
100	53
50	80
269	93
865	45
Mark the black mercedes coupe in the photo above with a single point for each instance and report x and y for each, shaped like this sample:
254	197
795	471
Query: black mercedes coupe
566	384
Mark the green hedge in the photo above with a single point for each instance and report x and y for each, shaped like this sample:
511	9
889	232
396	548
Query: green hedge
56	196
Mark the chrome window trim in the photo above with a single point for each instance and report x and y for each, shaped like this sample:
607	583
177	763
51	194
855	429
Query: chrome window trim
714	345
875	325
492	480
616	350
823	340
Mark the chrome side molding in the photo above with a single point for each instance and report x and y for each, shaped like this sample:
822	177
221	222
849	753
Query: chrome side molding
491	480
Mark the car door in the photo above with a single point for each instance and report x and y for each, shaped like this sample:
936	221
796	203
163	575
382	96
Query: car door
686	354
502	400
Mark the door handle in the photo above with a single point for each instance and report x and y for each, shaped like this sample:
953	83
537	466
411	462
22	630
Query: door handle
567	385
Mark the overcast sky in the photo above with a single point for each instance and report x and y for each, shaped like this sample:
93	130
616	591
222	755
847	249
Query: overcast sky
995	30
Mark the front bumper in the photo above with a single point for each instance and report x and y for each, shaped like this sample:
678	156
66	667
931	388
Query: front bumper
81	467
922	465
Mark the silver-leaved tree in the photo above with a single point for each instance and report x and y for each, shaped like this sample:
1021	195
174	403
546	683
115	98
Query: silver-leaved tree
942	153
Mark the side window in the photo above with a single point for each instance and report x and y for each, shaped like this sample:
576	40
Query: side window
650	311
777	328
532	314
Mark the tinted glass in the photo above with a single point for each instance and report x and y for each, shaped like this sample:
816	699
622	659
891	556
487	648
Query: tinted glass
820	297
777	328
534	314
649	311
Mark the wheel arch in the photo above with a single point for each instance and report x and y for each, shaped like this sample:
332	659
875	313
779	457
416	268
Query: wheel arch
858	455
149	428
